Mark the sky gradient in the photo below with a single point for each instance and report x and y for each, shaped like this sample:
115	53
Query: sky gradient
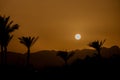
57	21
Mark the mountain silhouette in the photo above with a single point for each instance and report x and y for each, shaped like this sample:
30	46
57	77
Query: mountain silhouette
109	52
14	58
48	58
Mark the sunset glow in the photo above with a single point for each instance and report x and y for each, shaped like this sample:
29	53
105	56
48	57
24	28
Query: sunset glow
55	21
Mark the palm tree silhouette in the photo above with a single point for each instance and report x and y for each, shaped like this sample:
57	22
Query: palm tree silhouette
65	56
28	42
6	28
97	45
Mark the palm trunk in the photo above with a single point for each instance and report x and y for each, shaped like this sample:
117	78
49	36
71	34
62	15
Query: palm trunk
5	55
99	53
2	55
28	56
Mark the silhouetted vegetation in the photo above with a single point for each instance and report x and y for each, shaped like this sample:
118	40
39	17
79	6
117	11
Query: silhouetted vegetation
65	55
6	28
97	45
28	42
76	69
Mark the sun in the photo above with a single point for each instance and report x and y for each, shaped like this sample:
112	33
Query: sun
77	36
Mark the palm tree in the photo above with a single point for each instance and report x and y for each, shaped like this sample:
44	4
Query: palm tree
97	45
6	28
65	56
28	42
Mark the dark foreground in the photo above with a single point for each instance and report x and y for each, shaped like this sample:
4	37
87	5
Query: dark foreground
90	68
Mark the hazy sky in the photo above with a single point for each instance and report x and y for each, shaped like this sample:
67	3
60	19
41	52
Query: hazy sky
57	21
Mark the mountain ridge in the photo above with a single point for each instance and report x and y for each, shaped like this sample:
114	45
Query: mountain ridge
46	58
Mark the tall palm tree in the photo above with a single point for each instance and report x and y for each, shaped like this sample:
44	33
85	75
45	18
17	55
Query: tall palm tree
6	28
97	45
28	42
65	56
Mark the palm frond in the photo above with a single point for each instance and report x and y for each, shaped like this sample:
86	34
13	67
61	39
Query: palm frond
13	28
10	38
34	40
6	20
27	41
97	45
7	40
23	41
9	24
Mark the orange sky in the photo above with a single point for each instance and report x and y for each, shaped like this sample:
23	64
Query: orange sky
56	22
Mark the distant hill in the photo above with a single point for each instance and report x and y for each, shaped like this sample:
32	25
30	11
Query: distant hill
47	58
108	52
15	58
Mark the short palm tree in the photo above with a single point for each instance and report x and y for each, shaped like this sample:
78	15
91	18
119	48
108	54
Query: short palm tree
6	28
28	42
97	45
65	56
